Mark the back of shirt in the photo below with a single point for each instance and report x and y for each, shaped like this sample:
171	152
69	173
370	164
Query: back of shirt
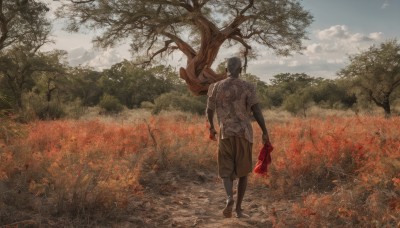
232	99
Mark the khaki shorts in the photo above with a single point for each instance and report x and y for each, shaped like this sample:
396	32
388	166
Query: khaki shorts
234	157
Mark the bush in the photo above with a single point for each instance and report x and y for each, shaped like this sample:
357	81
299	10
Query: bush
5	103
146	105
177	101
75	109
110	104
298	103
37	107
50	111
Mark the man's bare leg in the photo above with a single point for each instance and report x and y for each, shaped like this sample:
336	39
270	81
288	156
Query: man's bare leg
228	185
242	184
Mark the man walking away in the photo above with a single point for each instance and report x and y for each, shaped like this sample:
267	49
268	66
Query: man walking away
234	100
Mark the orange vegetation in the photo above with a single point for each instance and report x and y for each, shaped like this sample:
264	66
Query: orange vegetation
329	167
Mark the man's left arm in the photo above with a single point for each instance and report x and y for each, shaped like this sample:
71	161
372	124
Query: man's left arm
252	101
210	111
261	122
210	118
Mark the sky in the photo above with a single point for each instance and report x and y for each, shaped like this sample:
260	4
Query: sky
340	28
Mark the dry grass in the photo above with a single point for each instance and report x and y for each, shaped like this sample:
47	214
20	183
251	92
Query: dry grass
90	170
93	171
339	171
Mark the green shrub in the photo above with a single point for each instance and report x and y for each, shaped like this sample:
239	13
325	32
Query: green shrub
298	103
146	105
177	101
110	104
5	103
37	107
50	111
75	109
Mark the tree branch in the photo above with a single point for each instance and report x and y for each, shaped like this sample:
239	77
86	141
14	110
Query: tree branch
205	24
3	26
165	48
240	18
79	2
184	4
394	85
182	45
203	3
195	3
255	32
371	96
246	51
251	3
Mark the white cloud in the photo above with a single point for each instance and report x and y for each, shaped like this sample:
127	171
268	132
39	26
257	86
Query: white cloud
80	56
325	54
339	40
98	59
293	63
375	35
385	5
341	32
53	5
336	61
358	37
313	49
334	32
296	64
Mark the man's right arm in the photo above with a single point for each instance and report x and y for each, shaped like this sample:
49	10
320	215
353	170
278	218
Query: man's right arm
261	122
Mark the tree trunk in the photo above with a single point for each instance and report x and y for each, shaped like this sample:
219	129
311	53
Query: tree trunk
384	102
198	84
386	107
198	74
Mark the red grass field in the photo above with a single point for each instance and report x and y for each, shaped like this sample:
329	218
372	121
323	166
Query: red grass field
333	171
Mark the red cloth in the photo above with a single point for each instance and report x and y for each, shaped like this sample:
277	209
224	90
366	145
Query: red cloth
264	159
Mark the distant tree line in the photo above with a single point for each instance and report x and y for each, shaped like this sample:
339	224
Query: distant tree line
42	84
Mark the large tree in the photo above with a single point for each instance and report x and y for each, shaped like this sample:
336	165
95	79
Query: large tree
24	30
20	64
376	73
284	85
83	83
197	28
22	21
132	84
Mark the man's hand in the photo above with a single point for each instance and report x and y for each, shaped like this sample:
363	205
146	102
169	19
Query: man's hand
213	134
261	122
265	139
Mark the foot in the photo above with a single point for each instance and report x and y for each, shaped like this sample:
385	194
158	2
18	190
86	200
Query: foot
241	214
228	208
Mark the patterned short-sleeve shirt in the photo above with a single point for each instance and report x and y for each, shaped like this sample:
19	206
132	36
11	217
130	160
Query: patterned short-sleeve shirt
232	99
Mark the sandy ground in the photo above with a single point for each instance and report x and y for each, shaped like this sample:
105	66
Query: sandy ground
167	200
199	203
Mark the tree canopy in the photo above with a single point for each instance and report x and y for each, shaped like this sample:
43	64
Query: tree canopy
20	64
23	21
197	28
132	85
376	72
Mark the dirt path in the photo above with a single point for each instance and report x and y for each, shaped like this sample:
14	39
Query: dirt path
200	204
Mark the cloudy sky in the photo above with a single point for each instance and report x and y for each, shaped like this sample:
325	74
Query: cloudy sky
340	28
